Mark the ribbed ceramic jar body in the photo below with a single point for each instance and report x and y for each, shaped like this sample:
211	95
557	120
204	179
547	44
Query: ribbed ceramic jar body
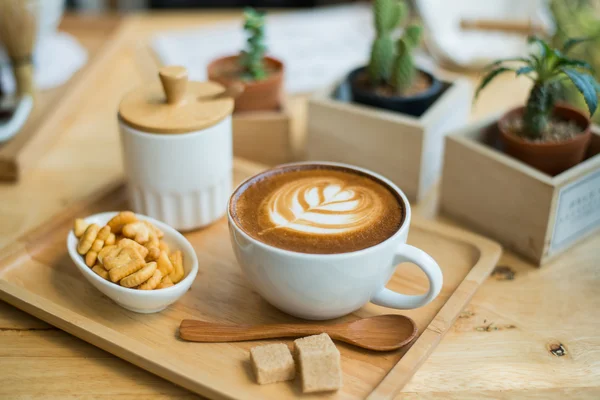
183	179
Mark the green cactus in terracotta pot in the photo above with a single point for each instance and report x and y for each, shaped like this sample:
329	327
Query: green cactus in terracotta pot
252	58
252	78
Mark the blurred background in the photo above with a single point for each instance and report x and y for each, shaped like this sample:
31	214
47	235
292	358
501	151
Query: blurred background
459	34
321	39
99	5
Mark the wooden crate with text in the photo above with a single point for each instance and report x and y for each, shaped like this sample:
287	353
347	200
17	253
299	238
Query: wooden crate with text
537	215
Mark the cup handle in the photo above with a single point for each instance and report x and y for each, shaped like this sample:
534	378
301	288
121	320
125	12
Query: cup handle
406	253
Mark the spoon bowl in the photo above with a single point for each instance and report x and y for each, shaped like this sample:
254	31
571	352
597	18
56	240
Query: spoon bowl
379	333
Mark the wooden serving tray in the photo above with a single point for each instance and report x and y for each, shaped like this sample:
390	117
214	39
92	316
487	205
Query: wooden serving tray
37	276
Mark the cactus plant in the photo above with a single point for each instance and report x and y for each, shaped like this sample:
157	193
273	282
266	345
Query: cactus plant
260	76
547	69
392	63
387	15
403	67
252	58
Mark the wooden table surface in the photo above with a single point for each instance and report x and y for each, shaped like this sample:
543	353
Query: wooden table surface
528	332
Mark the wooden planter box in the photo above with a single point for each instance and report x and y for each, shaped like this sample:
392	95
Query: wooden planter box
407	150
530	212
263	136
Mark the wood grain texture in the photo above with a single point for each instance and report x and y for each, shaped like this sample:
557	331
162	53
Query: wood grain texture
482	356
263	136
507	333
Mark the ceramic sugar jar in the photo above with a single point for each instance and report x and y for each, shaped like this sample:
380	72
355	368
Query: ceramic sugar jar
177	149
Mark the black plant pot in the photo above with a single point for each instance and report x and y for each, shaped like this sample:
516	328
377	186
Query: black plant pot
414	105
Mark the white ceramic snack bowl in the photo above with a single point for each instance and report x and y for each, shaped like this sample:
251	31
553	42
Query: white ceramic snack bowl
141	301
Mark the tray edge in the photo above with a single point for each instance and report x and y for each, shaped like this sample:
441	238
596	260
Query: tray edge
489	254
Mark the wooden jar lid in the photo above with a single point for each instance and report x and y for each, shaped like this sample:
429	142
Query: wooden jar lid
176	105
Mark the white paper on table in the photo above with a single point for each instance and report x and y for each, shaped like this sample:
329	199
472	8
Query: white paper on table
317	46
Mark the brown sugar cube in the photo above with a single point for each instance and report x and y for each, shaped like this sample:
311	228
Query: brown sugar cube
272	363
319	363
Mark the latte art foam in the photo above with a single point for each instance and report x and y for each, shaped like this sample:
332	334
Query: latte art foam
322	206
318	209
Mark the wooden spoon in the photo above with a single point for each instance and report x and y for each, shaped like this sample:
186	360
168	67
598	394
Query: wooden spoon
380	333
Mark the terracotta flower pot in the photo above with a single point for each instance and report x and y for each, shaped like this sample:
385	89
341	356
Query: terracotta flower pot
414	105
257	95
549	157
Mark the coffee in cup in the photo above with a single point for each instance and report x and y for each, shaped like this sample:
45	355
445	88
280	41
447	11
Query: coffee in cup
322	209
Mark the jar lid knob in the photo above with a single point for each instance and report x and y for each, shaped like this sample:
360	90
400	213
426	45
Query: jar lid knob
174	81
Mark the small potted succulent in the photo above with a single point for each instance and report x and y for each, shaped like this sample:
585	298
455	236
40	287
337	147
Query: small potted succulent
545	134
260	75
391	80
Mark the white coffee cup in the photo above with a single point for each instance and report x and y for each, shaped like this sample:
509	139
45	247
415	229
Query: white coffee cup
325	286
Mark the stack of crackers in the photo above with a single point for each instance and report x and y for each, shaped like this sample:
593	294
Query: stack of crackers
129	252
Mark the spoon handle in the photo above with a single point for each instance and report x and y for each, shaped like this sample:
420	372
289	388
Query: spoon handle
201	331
